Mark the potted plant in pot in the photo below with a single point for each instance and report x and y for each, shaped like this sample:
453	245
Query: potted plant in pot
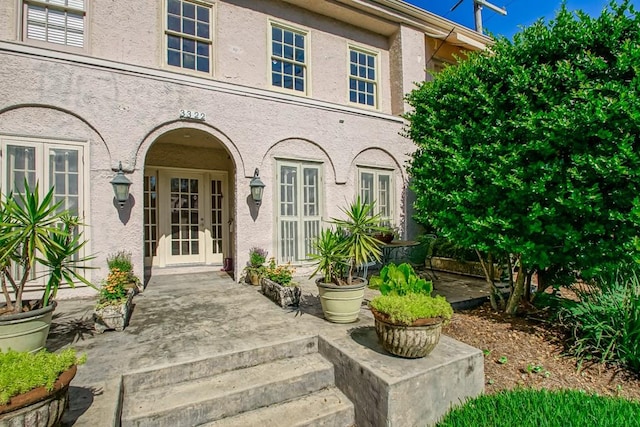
34	387
277	285
338	253
37	239
115	302
121	261
408	320
255	267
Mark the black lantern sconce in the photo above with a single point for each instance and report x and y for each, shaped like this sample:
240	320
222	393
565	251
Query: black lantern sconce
257	187
121	186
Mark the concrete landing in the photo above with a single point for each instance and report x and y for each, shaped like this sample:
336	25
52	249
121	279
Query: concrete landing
185	317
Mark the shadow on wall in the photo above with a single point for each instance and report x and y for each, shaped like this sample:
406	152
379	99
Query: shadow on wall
124	213
253	208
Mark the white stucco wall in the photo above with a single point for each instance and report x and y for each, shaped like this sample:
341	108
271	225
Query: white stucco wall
121	114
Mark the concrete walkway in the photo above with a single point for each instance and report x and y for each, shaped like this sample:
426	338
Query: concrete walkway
185	317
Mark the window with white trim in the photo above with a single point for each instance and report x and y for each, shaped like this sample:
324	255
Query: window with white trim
288	58
363	75
299	205
47	163
188	35
55	21
376	185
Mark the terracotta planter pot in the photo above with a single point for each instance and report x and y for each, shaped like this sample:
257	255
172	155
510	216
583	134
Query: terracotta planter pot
113	316
341	304
39	407
416	340
284	296
26	331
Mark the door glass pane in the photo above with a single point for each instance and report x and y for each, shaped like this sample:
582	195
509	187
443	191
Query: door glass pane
21	166
216	216
184	216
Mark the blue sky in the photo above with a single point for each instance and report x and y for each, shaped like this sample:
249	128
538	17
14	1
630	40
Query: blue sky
519	12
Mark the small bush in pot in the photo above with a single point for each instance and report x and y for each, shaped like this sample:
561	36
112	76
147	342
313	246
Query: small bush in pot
277	284
121	261
28	381
408	319
281	274
114	305
255	266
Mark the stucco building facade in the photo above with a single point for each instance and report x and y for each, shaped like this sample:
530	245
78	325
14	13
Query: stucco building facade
193	96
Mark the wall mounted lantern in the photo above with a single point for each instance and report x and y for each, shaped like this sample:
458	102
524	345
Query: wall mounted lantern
121	186
257	187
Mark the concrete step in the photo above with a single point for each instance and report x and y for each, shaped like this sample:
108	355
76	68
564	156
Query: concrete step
328	407
193	370
228	393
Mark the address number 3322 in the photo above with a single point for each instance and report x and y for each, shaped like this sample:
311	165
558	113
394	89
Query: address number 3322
195	115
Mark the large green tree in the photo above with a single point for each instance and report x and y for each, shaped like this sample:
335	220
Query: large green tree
532	148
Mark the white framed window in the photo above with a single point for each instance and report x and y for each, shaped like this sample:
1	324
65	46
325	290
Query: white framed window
48	163
299	209
189	35
376	185
363	77
289	65
55	21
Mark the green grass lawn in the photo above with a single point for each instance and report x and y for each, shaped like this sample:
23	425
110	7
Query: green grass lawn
543	408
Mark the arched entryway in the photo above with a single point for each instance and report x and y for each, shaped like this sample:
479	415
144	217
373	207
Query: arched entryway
188	203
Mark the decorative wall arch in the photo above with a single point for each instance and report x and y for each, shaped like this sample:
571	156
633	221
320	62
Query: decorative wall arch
388	154
143	148
313	144
60	110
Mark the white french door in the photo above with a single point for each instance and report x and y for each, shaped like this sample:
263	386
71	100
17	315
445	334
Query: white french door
186	220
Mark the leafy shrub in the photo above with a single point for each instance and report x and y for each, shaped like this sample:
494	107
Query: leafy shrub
281	274
257	256
406	309
120	260
543	408
400	280
21	372
605	322
114	288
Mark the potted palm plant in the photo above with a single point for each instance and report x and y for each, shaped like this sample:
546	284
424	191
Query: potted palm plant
408	320
338	253
37	239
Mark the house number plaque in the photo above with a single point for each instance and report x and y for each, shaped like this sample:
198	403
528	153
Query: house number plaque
194	115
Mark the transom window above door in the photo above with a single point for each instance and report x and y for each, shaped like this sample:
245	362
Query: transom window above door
188	35
55	21
288	58
363	77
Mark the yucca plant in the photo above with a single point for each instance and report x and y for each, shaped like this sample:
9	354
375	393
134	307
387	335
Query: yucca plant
351	244
37	232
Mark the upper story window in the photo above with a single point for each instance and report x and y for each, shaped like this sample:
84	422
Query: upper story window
288	58
55	21
363	83
188	34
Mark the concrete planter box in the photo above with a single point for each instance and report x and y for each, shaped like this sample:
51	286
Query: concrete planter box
39	407
26	331
284	296
414	341
468	268
114	316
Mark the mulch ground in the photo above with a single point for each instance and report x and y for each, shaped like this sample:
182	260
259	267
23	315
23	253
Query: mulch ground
528	351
